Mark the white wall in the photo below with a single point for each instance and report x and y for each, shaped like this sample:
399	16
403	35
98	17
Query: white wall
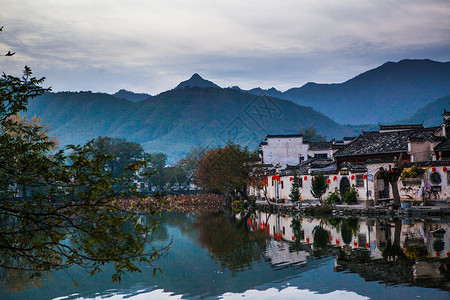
284	150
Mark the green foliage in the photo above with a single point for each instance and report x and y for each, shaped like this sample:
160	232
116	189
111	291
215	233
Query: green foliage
319	186
310	134
295	189
413	172
61	208
333	197
321	238
351	196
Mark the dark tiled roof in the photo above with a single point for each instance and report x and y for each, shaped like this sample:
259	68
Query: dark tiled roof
387	142
446	113
263	143
401	127
354	167
349	138
319	145
444	146
430	163
283	136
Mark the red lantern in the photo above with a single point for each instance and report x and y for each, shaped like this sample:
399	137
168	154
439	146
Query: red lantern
355	244
331	238
353	177
290	178
437	254
364	176
433	169
337	242
293	238
444	169
328	180
448	254
335	178
305	178
367	245
307	240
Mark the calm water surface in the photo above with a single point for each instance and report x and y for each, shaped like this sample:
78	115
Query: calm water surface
272	256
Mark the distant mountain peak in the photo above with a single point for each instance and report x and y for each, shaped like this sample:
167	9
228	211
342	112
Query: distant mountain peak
196	81
131	96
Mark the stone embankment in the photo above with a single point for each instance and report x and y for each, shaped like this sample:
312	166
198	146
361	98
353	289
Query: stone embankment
357	210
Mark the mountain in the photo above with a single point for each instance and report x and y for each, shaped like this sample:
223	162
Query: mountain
196	81
393	91
431	114
174	121
272	92
131	96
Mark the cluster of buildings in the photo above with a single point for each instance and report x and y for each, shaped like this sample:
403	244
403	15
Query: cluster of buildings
356	162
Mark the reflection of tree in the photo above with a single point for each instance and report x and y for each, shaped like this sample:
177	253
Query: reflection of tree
321	239
393	251
349	227
234	247
299	235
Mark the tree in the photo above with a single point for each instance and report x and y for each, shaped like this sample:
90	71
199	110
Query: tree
189	164
60	209
319	186
295	189
158	166
310	135
226	170
392	175
121	151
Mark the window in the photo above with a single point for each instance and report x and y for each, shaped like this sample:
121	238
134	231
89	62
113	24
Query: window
301	159
282	185
320	155
435	178
359	180
448	178
300	182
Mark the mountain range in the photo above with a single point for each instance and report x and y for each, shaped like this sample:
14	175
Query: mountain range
198	112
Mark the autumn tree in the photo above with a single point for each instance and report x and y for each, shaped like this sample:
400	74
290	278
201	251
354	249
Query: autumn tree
226	170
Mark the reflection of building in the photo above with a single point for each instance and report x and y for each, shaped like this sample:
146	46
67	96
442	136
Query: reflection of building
356	163
430	239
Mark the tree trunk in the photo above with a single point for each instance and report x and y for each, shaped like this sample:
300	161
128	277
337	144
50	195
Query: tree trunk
395	193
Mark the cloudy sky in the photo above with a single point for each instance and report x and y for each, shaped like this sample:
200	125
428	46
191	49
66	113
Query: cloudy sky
150	46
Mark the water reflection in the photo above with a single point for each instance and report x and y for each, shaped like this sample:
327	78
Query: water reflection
268	255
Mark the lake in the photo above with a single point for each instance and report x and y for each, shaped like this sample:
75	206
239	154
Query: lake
264	256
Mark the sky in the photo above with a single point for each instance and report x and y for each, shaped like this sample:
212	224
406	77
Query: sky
150	46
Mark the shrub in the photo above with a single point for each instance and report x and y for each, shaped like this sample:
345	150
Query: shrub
333	196
351	195
413	172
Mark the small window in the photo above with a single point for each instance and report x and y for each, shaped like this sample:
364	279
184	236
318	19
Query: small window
282	185
300	182
359	180
301	159
448	178
321	155
284	231
273	182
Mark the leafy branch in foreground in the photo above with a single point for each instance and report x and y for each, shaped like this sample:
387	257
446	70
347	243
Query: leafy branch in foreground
64	208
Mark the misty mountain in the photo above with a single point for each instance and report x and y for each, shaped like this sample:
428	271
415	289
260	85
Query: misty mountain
176	120
196	81
131	96
431	114
393	91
